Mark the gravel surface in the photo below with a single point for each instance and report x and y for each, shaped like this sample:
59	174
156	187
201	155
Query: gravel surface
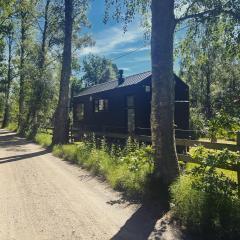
45	198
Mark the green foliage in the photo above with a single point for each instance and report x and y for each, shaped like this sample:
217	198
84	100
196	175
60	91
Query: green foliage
210	65
128	171
212	214
213	158
12	126
222	126
198	123
133	171
44	139
98	70
206	200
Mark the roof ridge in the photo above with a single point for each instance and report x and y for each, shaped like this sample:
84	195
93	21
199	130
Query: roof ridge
98	84
138	74
114	80
129	80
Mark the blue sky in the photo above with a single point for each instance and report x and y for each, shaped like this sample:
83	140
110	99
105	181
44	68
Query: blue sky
111	42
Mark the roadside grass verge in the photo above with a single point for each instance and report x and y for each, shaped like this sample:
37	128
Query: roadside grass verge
127	170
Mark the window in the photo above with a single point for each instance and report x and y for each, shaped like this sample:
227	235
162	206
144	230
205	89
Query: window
101	105
80	112
130	101
131	114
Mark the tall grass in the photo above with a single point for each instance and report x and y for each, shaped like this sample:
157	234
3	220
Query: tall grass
205	198
125	170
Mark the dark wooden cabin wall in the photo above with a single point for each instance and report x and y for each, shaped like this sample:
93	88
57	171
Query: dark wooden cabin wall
115	119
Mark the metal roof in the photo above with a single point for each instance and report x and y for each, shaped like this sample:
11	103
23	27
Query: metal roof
128	81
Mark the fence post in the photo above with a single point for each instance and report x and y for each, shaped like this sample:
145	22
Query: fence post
238	139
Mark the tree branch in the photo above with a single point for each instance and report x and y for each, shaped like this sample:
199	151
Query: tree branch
214	11
200	15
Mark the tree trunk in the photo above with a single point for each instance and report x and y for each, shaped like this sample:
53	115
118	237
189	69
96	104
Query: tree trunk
61	121
6	116
166	167
208	105
22	74
39	88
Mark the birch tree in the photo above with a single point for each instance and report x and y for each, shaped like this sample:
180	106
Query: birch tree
166	16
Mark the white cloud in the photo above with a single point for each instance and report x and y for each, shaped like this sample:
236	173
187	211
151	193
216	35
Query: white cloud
113	40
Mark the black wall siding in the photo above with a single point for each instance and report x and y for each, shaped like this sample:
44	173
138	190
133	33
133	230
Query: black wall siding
115	119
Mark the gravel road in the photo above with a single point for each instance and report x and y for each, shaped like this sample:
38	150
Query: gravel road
45	198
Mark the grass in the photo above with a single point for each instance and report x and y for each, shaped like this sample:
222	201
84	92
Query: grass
43	139
218	141
211	214
12	127
128	172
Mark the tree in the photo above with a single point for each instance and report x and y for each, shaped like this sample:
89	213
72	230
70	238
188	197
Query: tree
61	123
26	9
210	65
39	89
166	15
9	39
98	70
75	18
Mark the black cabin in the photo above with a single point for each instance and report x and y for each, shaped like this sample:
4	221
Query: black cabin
124	106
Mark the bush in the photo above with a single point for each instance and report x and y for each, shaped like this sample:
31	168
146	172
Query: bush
44	139
132	172
205	200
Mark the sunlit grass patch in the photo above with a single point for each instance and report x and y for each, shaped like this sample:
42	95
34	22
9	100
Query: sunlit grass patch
12	126
43	139
127	172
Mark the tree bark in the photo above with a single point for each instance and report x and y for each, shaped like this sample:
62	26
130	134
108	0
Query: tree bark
6	116
208	105
22	73
163	94
61	121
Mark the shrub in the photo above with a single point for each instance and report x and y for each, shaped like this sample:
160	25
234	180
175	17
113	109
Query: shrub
44	139
132	171
205	200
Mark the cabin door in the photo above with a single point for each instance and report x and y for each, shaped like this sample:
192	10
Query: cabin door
131	114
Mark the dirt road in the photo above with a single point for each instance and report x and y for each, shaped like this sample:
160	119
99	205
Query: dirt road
45	198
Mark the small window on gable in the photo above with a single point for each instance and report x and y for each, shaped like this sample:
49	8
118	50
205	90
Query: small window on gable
101	105
80	112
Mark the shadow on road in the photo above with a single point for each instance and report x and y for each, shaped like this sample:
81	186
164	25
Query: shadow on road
22	157
141	224
8	139
11	139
